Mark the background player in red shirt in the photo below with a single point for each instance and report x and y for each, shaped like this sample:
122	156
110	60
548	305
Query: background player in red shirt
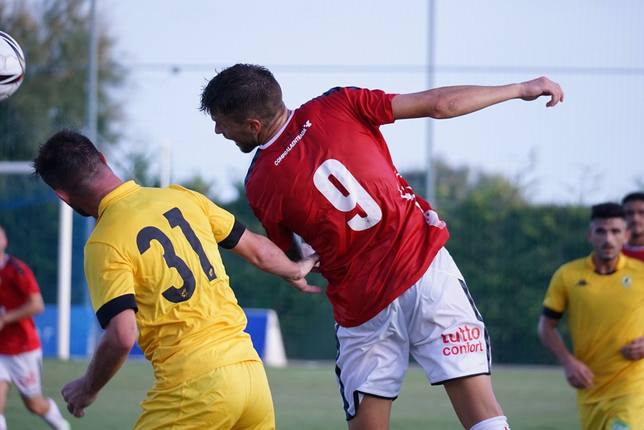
634	210
324	173
20	353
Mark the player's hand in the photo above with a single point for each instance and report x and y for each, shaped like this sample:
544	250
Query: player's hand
578	374
77	397
306	265
303	286
531	90
634	350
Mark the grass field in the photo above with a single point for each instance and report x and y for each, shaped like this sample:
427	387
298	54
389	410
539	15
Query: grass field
306	398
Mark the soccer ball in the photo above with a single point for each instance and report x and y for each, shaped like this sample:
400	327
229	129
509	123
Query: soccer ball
12	65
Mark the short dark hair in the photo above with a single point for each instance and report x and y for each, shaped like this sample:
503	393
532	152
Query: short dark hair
606	210
242	91
67	161
633	197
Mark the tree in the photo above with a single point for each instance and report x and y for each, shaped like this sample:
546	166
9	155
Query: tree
54	35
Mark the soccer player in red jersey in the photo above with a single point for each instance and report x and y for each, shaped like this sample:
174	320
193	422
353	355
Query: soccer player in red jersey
323	173
20	353
634	210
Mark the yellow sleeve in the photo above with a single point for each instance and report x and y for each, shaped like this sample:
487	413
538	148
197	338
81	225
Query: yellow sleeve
226	229
110	281
557	296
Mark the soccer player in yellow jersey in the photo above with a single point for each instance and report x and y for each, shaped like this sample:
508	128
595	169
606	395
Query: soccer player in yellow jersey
154	272
603	296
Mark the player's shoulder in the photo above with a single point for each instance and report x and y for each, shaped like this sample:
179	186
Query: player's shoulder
634	264
330	95
341	91
18	265
176	188
573	267
577	263
172	193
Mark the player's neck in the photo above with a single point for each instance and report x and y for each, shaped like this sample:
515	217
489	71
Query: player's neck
3	260
605	267
275	125
107	184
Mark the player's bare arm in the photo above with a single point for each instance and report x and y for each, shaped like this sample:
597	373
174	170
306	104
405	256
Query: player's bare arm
261	252
111	352
450	102
634	350
577	373
33	306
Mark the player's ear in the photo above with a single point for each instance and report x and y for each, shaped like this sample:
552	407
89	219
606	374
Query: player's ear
255	125
62	195
102	157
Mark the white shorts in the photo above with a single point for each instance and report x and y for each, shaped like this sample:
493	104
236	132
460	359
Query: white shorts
24	370
435	321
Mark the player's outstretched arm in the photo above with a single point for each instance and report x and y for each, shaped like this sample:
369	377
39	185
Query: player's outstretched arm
450	102
261	252
577	373
112	351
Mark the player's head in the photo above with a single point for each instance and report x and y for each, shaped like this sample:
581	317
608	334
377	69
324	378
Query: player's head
607	232
3	240
634	211
70	164
243	100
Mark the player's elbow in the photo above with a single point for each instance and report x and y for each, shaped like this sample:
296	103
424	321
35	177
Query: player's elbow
540	332
122	331
124	339
37	305
443	107
544	330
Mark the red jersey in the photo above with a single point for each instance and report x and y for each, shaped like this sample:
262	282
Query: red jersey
17	282
328	176
634	251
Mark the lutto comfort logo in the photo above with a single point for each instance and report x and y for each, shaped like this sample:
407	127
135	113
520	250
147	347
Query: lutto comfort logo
464	340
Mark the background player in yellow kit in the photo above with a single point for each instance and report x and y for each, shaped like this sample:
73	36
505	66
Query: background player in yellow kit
154	271
603	295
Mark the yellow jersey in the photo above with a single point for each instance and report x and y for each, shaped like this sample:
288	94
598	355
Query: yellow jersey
155	250
605	312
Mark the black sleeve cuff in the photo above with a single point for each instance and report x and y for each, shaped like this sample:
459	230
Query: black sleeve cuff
233	238
551	313
114	307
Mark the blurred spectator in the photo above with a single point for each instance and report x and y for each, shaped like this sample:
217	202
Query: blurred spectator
20	351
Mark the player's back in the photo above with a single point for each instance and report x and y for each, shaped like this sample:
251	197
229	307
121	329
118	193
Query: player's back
162	245
329	177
